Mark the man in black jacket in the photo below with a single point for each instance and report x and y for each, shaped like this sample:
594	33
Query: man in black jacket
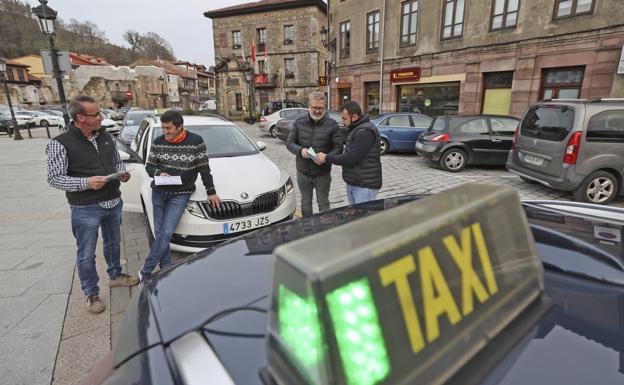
81	162
361	159
320	133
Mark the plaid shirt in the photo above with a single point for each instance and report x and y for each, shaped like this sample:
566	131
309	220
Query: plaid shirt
57	171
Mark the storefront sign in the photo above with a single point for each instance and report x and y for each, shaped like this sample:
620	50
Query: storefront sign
405	74
322	80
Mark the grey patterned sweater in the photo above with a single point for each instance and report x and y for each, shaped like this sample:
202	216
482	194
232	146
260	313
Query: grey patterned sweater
187	159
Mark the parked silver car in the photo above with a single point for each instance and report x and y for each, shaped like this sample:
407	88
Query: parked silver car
572	145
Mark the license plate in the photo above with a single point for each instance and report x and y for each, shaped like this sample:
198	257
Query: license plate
533	160
245	224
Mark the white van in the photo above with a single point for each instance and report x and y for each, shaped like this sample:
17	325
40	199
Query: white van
208	105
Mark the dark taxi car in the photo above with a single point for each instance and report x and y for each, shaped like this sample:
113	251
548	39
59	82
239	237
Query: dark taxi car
454	298
457	141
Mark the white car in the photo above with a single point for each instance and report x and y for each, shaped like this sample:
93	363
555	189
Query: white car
111	126
254	192
267	123
43	119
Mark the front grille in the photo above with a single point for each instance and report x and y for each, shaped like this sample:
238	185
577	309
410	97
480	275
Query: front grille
264	203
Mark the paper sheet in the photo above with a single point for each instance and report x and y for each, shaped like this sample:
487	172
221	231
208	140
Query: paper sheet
174	180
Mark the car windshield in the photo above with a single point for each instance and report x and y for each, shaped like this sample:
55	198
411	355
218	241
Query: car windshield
221	141
135	118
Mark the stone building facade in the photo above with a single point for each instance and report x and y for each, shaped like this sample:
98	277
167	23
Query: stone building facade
288	50
472	57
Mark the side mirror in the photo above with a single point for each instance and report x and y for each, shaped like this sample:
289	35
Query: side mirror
124	155
261	145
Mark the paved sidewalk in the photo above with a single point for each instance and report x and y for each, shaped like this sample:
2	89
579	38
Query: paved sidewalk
37	252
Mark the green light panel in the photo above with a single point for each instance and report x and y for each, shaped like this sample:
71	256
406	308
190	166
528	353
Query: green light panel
362	348
299	327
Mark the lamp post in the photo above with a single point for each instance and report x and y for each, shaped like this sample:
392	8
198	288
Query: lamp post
249	74
16	132
47	19
162	89
331	48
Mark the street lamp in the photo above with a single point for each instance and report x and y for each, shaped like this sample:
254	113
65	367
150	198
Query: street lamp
3	68
162	89
47	18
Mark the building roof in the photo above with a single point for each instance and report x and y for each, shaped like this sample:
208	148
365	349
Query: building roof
169	67
263	6
15	63
84	59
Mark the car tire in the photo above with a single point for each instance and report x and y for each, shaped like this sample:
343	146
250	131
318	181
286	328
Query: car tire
272	131
384	146
44	123
148	227
601	187
453	160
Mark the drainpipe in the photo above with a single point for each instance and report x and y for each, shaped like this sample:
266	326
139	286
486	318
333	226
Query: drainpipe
382	18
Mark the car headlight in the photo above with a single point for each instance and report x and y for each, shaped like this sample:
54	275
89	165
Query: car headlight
194	209
286	189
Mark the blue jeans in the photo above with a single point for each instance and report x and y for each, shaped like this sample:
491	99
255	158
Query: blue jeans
357	194
168	208
86	221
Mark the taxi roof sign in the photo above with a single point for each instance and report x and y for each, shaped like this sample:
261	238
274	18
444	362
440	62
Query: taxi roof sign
408	295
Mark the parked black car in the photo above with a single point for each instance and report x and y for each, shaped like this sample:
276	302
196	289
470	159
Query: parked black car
204	320
458	141
5	123
283	126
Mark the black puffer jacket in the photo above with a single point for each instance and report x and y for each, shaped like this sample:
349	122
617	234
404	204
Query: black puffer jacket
323	136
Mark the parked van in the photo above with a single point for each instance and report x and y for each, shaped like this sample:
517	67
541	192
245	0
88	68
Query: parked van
276	105
208	105
572	145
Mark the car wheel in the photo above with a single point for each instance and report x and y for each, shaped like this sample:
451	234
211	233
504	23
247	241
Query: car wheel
600	187
44	123
148	227
272	131
453	160
384	146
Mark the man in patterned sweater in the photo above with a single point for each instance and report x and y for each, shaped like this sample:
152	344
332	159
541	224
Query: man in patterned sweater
175	153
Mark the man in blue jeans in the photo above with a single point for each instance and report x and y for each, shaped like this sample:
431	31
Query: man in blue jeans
361	159
80	162
175	153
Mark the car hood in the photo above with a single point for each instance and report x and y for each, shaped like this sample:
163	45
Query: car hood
251	175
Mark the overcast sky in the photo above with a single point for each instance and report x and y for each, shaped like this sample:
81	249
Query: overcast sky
180	22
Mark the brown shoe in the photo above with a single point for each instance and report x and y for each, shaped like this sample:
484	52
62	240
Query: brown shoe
95	304
123	280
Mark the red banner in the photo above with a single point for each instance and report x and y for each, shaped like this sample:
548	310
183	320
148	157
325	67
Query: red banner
405	74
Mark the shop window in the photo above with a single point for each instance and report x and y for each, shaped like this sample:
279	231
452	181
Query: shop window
504	14
409	19
569	8
345	39
372	32
453	19
497	92
289	34
607	126
236	39
371	90
289	67
430	99
562	83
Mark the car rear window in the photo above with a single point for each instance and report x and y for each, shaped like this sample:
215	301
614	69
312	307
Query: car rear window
438	125
552	123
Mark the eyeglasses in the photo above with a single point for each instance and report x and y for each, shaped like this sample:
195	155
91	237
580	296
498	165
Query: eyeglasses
317	108
95	114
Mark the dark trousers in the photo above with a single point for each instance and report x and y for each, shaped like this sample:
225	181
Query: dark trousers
306	185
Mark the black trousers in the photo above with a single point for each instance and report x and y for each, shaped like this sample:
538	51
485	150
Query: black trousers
306	185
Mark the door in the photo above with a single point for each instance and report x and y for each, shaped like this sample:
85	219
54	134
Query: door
502	134
131	190
399	131
475	135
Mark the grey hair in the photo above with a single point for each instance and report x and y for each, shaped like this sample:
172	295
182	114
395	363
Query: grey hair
75	106
316	95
